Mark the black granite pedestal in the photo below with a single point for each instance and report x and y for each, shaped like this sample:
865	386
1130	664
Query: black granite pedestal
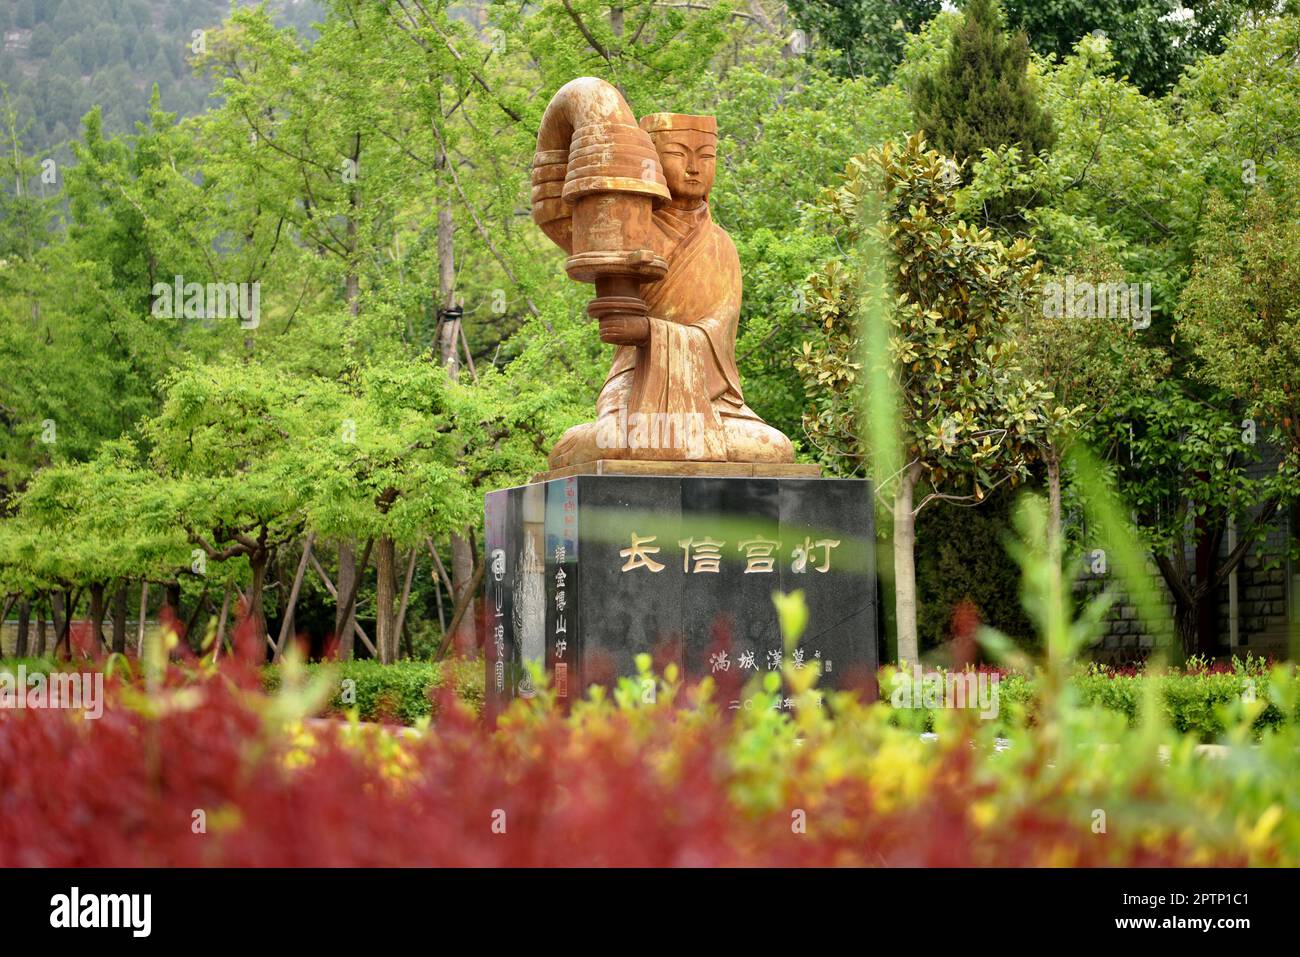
586	572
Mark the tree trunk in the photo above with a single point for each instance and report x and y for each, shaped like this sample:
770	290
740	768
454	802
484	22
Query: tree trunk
144	611
1186	617
221	622
349	598
10	601
353	279
437	600
119	619
1053	499
460	611
173	599
345	620
98	611
193	620
56	614
24	626
353	290
68	601
40	632
287	625
449	332
1207	605
462	577
462	555
258	560
404	603
905	566
385	594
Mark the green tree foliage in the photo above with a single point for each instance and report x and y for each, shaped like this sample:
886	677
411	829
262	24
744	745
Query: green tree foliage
1080	336
982	97
964	418
868	36
1185	467
651	51
785	127
1154	40
958	564
1241	310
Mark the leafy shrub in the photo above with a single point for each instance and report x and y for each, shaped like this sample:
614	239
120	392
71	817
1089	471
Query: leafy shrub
402	693
960	558
1192	704
680	781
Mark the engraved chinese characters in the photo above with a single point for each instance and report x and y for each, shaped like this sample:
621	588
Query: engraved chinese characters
496	612
704	554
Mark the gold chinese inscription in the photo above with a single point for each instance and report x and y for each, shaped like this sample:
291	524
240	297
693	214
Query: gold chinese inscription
638	554
708	554
703	555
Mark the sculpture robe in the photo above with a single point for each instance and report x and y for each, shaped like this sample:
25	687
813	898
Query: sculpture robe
678	396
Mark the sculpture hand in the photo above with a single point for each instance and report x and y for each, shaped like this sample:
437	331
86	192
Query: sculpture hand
625	330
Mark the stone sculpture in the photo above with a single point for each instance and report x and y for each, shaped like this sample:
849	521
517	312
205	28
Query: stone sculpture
629	203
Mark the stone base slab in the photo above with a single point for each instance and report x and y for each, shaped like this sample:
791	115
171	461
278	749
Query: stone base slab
585	572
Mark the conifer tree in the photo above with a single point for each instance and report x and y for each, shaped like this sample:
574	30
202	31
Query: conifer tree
981	96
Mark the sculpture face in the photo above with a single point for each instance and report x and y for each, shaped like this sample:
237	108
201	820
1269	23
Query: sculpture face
689	161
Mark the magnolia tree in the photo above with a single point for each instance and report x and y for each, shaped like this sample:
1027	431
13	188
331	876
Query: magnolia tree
950	414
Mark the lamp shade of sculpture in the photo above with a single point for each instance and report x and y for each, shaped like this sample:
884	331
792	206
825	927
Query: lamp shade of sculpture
628	202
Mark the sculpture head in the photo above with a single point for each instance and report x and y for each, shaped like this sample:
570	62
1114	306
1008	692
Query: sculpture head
688	149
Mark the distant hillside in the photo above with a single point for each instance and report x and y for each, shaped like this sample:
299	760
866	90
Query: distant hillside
61	57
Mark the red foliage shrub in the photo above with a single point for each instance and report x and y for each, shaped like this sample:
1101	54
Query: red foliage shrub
123	791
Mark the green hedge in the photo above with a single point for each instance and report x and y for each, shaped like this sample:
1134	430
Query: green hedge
402	692
1191	702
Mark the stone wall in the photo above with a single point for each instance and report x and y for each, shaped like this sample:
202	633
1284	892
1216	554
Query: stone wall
1262	600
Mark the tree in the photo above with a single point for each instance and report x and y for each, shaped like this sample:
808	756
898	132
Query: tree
1154	40
42	42
1089	358
391	475
964	419
1241	309
230	449
982	97
784	128
1241	315
1186	467
867	35
83	528
292	129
